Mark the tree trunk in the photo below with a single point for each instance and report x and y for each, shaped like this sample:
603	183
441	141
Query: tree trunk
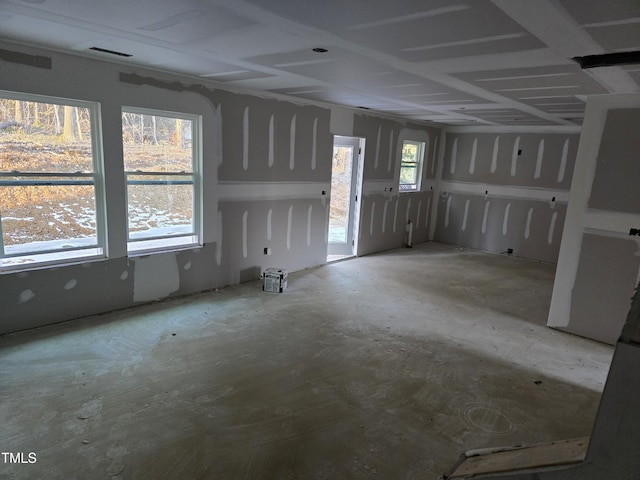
177	138
18	111
69	130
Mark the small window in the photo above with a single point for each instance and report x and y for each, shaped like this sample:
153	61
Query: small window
51	190
161	162
411	166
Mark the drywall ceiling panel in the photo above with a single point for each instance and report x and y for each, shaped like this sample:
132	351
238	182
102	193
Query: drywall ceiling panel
587	13
617	37
536	86
414	31
615	185
634	71
505	116
257	40
192	25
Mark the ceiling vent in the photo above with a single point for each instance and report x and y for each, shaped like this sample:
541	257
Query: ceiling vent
608	59
110	52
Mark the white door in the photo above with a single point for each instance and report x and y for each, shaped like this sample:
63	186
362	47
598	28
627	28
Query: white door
344	175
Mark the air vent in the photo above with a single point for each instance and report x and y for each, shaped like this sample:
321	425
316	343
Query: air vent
608	59
110	52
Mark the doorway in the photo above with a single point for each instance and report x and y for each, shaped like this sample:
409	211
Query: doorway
343	211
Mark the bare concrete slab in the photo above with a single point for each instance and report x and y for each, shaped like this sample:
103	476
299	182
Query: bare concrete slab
385	366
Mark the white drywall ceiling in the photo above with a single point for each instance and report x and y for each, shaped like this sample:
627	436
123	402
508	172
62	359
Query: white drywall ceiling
474	62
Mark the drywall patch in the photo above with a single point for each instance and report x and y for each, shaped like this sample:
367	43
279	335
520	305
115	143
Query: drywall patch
552	227
373	212
187	266
514	156
527	228
269	216
245	139
124	275
485	216
505	221
309	212
25	296
465	215
538	171
474	152
245	217
563	161
448	211
155	277
375	164
292	143
289	226
384	214
390	151
454	155
395	216
71	284
494	157
271	155
418	214
426	217
314	143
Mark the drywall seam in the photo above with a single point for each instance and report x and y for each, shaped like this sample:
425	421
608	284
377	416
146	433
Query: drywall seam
375	163
514	156
245	139
289	226
494	155
523	129
271	154
619	222
504	191
292	143
474	152
228	190
563	161
314	144
538	171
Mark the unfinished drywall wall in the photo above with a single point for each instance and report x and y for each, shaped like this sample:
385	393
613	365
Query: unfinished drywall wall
614	263
501	191
385	212
615	184
598	260
266	177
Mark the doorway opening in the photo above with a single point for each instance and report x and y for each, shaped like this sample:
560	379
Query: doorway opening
346	183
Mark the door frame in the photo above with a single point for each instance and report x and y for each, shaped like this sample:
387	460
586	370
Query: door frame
350	247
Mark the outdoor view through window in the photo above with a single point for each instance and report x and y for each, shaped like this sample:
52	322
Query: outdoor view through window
48	200
159	161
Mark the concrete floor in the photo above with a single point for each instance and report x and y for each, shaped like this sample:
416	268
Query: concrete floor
386	366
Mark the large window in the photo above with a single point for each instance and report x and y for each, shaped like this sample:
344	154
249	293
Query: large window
51	187
161	162
411	165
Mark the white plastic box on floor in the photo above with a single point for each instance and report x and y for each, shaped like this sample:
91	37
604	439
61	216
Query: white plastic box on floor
274	280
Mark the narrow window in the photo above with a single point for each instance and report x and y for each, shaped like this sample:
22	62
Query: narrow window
411	166
161	162
51	187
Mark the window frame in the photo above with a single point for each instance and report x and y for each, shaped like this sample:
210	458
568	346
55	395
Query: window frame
420	150
46	257
165	243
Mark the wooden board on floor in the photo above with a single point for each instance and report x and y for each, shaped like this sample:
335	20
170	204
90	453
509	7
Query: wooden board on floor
546	455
